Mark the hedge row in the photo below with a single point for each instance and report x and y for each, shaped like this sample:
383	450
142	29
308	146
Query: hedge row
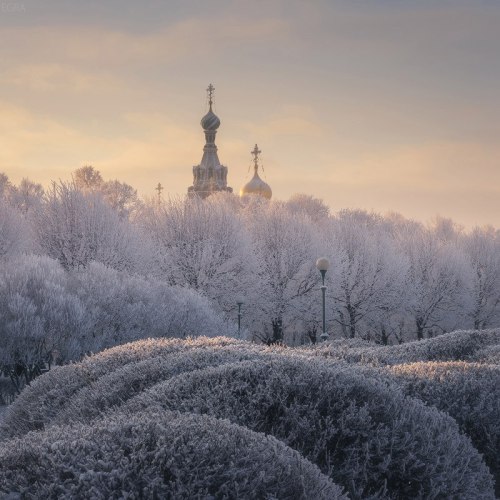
162	455
370	438
41	402
469	392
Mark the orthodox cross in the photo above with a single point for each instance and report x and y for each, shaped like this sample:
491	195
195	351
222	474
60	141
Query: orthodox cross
255	153
210	91
159	188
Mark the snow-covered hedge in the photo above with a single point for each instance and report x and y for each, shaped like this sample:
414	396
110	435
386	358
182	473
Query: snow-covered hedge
469	392
162	455
490	355
370	438
42	401
115	388
454	346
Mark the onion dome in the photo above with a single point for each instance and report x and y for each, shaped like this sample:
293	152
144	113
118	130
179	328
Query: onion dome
256	185
210	121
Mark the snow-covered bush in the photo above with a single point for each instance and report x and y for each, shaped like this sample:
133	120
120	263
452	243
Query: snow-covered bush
367	436
42	401
38	317
453	346
490	354
51	316
115	388
162	455
123	308
469	392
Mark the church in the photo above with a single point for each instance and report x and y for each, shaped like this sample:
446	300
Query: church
210	176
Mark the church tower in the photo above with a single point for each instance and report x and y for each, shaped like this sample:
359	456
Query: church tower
256	186
209	176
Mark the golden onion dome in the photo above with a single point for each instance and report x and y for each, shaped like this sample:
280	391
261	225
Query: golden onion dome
256	185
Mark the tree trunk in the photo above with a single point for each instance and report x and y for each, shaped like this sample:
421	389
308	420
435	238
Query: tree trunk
420	328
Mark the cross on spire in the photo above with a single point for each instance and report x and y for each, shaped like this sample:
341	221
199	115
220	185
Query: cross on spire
159	188
210	92
255	153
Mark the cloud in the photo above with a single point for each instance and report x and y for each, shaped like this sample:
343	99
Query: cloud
296	121
57	78
435	167
101	47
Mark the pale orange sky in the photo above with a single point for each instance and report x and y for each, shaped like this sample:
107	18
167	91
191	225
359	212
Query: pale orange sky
385	105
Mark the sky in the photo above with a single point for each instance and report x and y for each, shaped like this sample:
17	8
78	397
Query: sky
384	105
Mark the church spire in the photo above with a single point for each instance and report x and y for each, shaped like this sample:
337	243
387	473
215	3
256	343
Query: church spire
255	153
210	94
209	176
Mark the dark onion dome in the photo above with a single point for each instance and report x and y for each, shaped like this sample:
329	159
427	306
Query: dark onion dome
210	121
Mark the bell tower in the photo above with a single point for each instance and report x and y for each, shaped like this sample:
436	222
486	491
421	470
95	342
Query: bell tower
209	176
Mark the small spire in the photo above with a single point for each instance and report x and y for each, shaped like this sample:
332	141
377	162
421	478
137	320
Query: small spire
255	153
159	188
210	92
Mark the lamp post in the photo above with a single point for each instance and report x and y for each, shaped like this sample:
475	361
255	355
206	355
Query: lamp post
322	265
240	303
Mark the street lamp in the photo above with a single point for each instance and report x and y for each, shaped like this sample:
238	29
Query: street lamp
323	264
240	303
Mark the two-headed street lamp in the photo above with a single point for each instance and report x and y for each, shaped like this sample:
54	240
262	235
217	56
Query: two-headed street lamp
322	265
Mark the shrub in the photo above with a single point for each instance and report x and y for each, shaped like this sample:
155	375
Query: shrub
367	436
490	354
469	392
123	308
163	455
113	389
38	317
40	402
454	346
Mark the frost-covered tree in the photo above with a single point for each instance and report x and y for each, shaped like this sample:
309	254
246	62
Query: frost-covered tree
15	236
435	281
121	196
304	204
482	247
78	227
366	277
27	196
87	178
5	185
203	245
286	249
